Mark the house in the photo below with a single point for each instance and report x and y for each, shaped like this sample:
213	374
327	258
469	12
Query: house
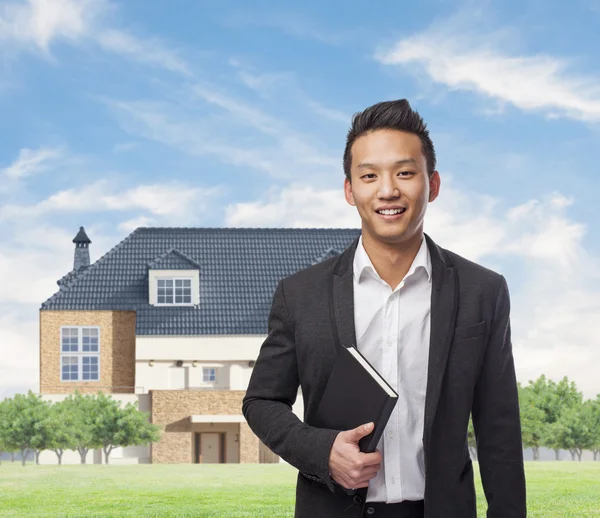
173	319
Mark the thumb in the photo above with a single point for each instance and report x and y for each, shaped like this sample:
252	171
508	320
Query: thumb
362	430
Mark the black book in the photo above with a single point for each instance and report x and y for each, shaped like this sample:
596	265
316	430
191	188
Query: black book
356	394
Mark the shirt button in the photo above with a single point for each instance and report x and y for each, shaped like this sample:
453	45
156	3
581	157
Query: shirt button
390	434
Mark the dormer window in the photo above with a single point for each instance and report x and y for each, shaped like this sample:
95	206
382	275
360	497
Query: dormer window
173	291
174	280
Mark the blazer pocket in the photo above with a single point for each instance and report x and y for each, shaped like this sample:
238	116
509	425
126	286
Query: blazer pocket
464	332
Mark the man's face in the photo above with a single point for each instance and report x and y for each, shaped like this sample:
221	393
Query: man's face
389	173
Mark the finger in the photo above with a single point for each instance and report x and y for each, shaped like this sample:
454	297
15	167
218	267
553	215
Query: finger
363	478
368	474
372	469
371	458
360	431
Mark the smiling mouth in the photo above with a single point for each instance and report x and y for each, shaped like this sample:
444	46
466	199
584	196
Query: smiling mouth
391	212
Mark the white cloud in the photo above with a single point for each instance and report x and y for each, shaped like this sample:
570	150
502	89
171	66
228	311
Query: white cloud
242	111
555	299
266	84
291	24
151	51
29	162
284	84
19	350
462	60
298	206
39	23
271	147
329	113
172	201
127	227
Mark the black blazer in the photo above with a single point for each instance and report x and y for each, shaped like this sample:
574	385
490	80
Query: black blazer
471	369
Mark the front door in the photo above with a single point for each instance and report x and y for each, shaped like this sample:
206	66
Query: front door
211	447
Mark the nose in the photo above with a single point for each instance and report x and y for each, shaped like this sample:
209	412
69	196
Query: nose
387	188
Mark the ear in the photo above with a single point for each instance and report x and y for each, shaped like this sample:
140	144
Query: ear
434	186
348	192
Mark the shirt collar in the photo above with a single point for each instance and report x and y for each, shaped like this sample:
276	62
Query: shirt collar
362	263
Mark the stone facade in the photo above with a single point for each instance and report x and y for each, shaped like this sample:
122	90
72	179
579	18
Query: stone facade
117	351
171	410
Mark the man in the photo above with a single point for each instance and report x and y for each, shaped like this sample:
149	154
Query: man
434	324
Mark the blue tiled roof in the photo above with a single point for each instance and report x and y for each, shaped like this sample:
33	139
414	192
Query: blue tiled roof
70	277
239	270
173	259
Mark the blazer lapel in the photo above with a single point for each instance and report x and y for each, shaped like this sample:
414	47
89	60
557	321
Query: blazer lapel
343	296
444	305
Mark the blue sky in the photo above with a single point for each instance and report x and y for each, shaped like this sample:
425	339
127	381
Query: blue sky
124	114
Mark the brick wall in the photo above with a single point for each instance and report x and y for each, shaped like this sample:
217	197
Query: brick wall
171	410
117	351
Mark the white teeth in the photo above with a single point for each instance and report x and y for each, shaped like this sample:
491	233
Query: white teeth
390	212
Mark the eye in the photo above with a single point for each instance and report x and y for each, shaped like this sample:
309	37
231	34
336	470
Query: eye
406	173
368	176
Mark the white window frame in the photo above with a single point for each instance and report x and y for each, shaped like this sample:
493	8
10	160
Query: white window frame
204	371
174	279
79	354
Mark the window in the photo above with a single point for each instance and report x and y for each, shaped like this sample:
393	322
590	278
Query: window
209	374
174	291
79	353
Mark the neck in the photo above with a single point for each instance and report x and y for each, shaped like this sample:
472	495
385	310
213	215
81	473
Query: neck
392	260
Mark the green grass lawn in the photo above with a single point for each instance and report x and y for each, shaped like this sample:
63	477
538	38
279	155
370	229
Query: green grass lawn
555	489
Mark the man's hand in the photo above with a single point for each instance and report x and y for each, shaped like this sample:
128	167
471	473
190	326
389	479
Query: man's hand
347	465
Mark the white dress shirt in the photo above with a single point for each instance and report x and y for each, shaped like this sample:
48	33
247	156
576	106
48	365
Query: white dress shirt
392	332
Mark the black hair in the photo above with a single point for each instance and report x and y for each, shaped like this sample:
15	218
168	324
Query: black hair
397	115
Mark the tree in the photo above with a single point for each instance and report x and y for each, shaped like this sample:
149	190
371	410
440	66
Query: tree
42	429
532	420
106	423
579	435
135	429
115	426
5	420
23	416
570	429
3	426
81	410
62	422
552	399
593	421
543	397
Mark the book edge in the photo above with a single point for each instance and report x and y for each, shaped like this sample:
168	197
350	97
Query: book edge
374	374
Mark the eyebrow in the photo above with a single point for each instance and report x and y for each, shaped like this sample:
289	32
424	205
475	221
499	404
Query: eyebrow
406	161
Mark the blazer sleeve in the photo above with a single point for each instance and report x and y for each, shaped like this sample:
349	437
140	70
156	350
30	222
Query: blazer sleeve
496	420
272	391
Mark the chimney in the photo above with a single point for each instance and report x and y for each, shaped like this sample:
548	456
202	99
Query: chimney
82	253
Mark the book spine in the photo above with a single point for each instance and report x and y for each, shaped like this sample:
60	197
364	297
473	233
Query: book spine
372	440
